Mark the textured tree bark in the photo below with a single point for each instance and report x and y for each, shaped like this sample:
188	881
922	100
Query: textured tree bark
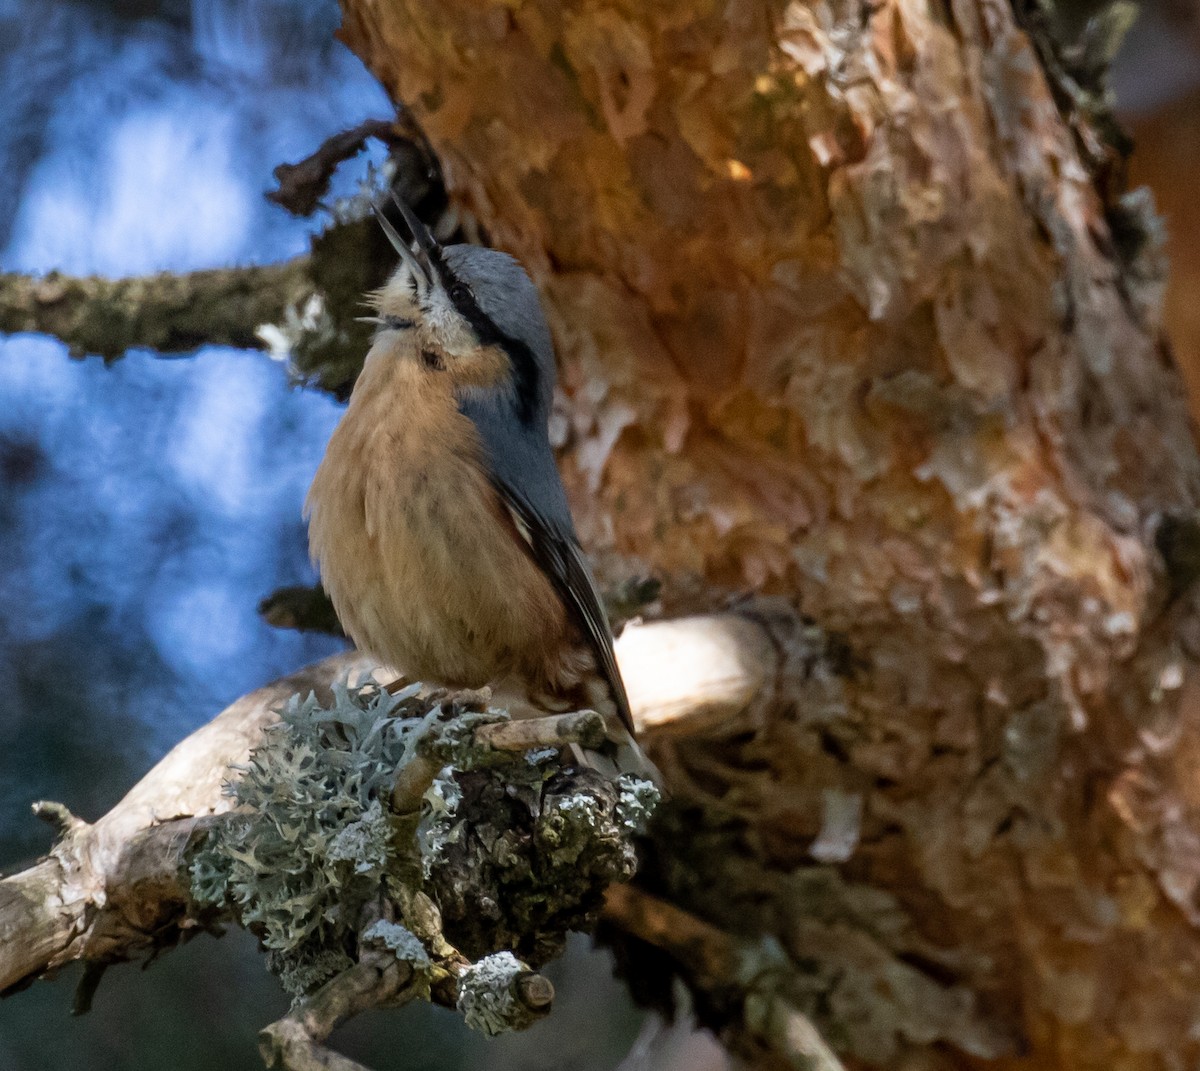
848	310
1165	161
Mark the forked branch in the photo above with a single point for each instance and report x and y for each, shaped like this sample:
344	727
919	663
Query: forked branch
132	882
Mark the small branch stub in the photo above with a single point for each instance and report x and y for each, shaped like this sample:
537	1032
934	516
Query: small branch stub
583	727
499	994
59	816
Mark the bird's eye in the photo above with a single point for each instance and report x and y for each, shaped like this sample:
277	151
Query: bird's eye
460	292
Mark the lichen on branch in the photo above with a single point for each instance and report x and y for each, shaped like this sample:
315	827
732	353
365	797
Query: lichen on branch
304	311
165	312
506	852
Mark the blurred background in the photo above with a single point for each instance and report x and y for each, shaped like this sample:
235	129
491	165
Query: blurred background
146	507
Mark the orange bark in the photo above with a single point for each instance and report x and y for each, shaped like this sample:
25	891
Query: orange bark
841	317
1168	146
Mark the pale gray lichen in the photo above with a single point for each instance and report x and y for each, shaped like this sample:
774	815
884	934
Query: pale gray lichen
365	842
487	995
509	851
454	743
398	939
307	967
636	803
312	841
408	948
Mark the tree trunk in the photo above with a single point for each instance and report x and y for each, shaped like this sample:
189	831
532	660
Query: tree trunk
1167	142
850	309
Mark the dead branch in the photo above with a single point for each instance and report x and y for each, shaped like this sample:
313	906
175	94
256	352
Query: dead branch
110	890
119	887
295	1041
303	184
719	961
51	913
304	311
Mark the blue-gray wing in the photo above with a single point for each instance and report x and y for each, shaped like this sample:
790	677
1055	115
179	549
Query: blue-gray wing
560	557
522	469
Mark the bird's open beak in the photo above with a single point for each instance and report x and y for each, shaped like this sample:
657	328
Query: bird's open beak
428	253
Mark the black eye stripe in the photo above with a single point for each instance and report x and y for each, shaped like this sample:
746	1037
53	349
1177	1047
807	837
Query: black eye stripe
526	376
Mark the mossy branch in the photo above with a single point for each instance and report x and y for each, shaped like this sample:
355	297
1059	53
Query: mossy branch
455	889
168	313
359	904
304	311
508	852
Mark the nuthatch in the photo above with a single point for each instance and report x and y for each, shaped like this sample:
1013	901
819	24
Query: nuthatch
437	517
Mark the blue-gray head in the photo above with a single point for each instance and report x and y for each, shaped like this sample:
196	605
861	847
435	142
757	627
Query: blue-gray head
475	316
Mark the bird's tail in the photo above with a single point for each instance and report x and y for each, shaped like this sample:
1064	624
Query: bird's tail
621	756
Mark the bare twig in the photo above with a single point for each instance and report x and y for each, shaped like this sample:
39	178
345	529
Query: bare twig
719	960
302	607
303	184
285	1045
702	948
412	783
585	727
294	1042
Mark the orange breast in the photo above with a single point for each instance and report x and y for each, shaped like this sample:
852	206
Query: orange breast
418	555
